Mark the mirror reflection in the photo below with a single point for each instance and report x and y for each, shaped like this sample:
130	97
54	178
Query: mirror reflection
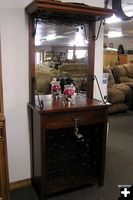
61	52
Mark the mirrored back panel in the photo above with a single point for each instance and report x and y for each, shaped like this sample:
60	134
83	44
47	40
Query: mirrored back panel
61	51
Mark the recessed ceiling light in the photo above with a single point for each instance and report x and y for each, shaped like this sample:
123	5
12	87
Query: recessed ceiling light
112	34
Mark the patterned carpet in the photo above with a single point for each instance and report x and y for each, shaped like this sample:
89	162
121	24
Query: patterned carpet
119	165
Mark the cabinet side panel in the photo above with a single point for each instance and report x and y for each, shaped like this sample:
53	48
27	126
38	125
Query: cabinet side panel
36	151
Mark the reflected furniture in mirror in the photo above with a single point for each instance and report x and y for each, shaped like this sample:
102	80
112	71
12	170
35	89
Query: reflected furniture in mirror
4	181
68	140
61	52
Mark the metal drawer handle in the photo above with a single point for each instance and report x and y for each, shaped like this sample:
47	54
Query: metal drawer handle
76	130
77	118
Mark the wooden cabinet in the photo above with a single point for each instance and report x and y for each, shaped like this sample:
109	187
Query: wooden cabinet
61	159
4	183
113	58
110	58
122	59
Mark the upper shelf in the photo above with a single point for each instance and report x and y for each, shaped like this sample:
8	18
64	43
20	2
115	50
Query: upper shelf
57	10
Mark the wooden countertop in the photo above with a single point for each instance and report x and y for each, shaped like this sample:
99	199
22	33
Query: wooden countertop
81	102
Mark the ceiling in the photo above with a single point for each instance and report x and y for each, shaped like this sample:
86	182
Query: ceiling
61	35
125	26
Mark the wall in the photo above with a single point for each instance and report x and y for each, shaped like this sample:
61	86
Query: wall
99	3
14	41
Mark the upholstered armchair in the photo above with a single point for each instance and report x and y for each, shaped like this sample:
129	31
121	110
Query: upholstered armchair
119	94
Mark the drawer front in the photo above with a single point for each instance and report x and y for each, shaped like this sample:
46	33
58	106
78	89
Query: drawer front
68	119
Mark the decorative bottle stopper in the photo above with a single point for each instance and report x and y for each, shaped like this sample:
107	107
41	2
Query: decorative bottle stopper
69	92
55	88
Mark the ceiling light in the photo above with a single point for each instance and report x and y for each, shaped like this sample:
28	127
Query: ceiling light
112	34
51	37
112	19
79	39
111	49
37	40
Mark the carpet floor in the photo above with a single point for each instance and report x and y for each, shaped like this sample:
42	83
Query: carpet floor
119	165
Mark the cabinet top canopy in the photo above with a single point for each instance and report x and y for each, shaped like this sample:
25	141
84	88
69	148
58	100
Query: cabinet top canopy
52	9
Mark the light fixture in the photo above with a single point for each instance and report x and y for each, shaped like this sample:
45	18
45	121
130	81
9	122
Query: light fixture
37	40
80	38
111	49
113	19
78	41
113	34
51	37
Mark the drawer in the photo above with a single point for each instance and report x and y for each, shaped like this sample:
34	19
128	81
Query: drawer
68	119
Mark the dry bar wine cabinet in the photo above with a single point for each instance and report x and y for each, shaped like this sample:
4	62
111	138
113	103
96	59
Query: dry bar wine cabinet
60	159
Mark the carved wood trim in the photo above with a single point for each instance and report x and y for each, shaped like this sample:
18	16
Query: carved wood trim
76	8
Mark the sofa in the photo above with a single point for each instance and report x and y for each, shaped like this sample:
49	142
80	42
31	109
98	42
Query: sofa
124	74
45	74
120	83
77	72
120	87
